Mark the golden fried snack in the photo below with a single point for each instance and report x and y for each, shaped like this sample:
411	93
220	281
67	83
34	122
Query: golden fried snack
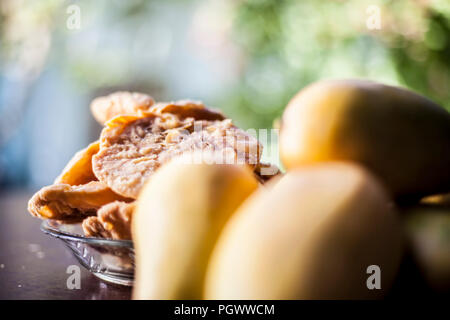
113	221
79	169
133	147
66	202
120	103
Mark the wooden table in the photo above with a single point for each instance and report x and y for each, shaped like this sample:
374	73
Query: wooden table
33	265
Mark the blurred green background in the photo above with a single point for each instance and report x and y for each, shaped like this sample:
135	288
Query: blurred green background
245	57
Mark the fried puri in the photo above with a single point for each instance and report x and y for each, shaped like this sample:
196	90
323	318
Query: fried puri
79	169
133	147
113	221
66	202
100	182
120	103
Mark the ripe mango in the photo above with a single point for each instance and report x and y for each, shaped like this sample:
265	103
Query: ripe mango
401	136
311	235
178	217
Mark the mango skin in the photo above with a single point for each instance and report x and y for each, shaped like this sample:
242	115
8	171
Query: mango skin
311	235
178	217
402	137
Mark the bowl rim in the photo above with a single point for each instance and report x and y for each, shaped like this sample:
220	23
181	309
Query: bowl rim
47	228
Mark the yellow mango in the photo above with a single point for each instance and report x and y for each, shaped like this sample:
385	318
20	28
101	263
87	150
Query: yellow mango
179	215
401	136
317	233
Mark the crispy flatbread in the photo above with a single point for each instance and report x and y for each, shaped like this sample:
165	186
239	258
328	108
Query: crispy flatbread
133	147
120	103
113	221
79	169
71	203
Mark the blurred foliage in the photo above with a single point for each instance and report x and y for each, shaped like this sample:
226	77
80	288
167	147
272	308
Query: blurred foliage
288	44
283	45
247	57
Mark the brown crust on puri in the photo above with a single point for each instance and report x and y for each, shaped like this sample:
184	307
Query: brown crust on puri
266	171
92	227
79	169
113	221
70	203
187	108
120	103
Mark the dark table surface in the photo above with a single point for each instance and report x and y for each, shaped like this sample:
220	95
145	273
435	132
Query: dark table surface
34	265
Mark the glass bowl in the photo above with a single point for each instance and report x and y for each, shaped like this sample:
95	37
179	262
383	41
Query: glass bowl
108	259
